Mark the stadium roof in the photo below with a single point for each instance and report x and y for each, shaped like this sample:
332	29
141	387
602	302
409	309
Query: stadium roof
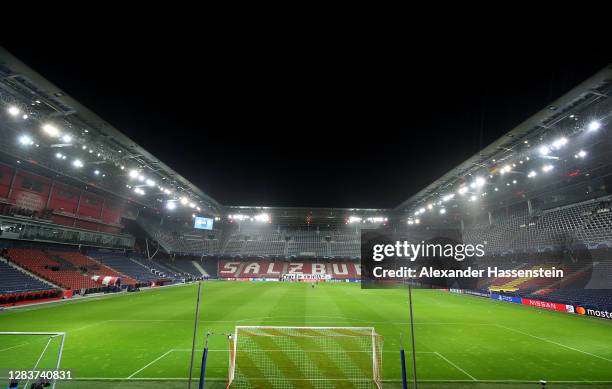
578	100
44	101
19	83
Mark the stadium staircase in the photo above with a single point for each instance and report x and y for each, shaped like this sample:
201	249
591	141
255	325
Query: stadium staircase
200	269
187	266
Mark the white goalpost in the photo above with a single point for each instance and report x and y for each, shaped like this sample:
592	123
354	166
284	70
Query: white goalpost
18	362
311	357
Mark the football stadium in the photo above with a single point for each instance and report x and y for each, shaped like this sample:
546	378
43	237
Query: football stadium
118	271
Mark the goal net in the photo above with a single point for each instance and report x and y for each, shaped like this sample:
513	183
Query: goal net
305	357
28	357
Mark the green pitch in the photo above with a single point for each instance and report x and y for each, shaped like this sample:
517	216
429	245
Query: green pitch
140	340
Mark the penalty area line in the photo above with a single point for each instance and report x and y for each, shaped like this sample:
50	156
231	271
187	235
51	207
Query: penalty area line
455	366
553	342
149	364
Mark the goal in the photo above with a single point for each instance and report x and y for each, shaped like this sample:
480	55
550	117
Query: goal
305	357
22	352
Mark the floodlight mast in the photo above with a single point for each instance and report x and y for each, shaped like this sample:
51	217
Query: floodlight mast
414	366
195	332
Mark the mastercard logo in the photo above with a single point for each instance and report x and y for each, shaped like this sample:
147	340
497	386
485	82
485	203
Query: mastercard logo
580	310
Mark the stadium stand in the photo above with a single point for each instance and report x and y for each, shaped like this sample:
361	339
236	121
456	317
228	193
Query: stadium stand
599	299
90	266
70	270
127	266
190	266
13	280
589	222
65	275
279	269
290	243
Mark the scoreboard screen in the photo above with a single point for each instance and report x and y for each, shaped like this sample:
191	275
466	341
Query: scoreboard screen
203	223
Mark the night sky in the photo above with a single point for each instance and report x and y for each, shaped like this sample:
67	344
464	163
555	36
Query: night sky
299	123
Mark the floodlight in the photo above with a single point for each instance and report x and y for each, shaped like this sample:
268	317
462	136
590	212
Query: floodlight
58	155
448	197
594	125
25	116
184	200
150	182
192	205
133	173
25	140
442	211
417	221
532	174
581	154
263	218
13	111
544	150
560	143
66	138
77	163
463	190
96	172
479	181
171	205
547	168
51	130
473	198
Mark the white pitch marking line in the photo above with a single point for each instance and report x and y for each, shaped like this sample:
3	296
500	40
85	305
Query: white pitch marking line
287	321
150	363
392	380
553	342
455	366
10	348
307	351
